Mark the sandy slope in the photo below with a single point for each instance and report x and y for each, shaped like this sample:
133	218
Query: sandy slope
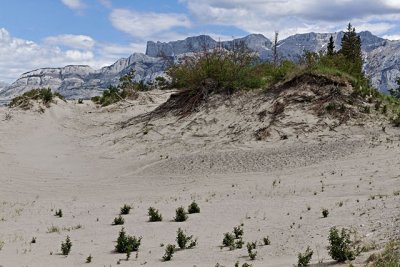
76	158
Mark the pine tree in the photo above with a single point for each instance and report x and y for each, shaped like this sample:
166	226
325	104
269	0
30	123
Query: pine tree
331	47
351	50
396	92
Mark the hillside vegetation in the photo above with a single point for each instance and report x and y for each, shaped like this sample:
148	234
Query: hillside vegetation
221	72
43	97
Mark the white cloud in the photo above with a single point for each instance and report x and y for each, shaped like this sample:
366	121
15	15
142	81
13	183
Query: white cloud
106	3
74	4
146	25
295	16
392	37
72	41
18	56
122	50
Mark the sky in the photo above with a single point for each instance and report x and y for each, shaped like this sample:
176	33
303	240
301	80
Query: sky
55	33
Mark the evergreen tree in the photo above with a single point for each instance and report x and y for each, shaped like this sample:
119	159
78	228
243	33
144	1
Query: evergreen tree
396	92
351	50
331	47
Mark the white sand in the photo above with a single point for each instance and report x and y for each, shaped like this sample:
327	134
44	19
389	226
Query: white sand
76	158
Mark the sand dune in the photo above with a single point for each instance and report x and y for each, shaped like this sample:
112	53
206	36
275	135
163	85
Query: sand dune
79	159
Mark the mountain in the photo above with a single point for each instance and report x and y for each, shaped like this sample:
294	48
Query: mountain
79	81
382	62
3	86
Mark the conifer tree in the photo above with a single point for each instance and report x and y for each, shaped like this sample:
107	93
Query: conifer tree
331	47
351	50
396	92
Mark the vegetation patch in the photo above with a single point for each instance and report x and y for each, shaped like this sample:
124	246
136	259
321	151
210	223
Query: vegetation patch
43	96
390	257
185	241
66	246
127	89
127	243
154	215
340	245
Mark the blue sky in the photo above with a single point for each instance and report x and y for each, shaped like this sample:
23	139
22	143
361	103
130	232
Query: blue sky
51	33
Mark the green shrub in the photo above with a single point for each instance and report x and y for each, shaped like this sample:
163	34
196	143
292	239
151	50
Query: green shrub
59	213
181	215
304	259
325	213
66	246
229	240
169	252
154	215
119	220
238	231
390	257
184	241
230	70
239	243
193	208
127	89
251	246
127	243
396	120
45	95
89	259
125	210
266	241
340	245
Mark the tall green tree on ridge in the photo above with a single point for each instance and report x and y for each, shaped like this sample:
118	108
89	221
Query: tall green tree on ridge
351	50
331	47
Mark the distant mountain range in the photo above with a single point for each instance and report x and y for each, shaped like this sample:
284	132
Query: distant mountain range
382	62
3	85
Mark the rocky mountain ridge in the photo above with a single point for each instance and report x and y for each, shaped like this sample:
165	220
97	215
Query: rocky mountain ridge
382	62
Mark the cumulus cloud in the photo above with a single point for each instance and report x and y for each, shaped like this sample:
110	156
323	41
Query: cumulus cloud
146	25
18	56
73	4
72	41
393	37
294	16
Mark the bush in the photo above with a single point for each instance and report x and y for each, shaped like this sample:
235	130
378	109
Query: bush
181	215
238	231
45	95
125	209
193	208
304	259
230	70
390	257
154	215
396	120
239	243
127	89
325	213
119	220
251	250
59	213
169	252
66	246
266	241
339	245
229	240
184	241
89	259
127	243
